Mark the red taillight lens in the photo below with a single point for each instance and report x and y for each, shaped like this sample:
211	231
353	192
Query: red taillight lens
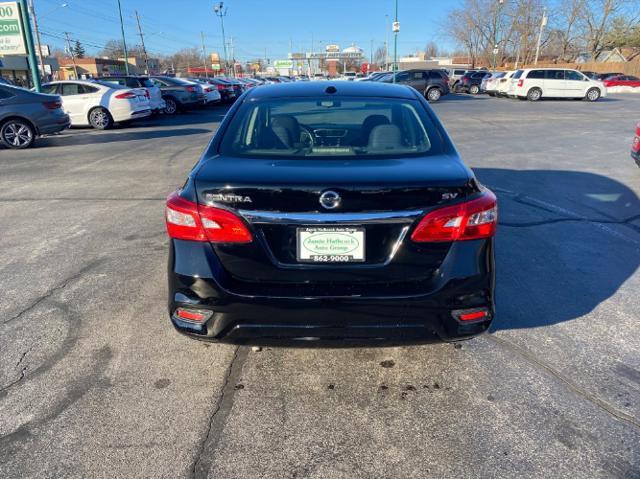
52	105
207	89
190	221
147	94
191	89
126	95
475	219
520	83
220	87
193	315
471	314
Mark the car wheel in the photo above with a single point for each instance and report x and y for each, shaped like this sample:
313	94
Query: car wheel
474	89
17	134
534	94
171	106
593	94
434	94
100	119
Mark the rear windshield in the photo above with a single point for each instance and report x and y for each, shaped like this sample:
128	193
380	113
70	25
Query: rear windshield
146	82
326	127
517	74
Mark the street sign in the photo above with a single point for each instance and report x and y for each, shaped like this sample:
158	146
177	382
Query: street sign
495	51
12	40
396	27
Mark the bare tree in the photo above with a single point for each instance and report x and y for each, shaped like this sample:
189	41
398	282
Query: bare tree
431	50
596	18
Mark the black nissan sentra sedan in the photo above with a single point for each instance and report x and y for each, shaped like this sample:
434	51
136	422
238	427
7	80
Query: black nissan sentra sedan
332	212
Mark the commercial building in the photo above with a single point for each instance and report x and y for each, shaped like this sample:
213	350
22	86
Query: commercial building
97	67
16	69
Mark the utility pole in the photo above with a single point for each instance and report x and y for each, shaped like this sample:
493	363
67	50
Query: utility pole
371	55
73	56
124	41
144	50
221	12
543	22
396	30
32	10
204	56
233	57
386	43
496	42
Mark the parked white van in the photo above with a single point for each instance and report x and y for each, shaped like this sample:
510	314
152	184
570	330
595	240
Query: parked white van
535	83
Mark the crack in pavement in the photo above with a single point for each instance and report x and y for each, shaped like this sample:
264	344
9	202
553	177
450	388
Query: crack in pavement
532	359
218	418
13	383
55	289
625	222
569	216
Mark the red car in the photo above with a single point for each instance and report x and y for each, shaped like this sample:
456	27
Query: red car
622	80
635	146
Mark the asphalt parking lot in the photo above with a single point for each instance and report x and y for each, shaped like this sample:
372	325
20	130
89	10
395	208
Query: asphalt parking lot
94	382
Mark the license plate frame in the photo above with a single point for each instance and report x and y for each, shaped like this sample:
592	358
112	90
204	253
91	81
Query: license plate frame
332	245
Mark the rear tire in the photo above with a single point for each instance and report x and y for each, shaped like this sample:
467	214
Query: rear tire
170	106
474	89
534	94
593	94
100	119
434	94
17	134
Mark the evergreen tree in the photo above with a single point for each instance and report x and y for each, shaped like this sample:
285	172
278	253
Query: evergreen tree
78	50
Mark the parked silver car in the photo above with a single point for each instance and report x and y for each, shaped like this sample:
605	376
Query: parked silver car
24	115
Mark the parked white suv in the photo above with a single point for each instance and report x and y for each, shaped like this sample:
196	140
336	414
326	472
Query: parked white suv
535	83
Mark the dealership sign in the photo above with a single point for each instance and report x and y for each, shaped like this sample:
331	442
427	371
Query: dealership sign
11	35
283	64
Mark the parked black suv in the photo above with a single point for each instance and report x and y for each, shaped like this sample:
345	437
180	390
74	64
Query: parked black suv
470	82
431	83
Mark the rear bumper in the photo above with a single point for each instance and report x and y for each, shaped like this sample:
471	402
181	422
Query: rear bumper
390	319
56	126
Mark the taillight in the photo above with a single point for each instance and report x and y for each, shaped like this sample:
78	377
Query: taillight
477	314
191	89
126	95
520	82
190	221
52	105
193	315
147	94
475	219
220	87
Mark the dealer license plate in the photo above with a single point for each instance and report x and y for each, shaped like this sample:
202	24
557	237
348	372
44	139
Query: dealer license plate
330	245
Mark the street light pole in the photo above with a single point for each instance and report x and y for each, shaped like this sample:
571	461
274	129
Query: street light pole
124	41
543	22
218	10
496	43
144	49
396	29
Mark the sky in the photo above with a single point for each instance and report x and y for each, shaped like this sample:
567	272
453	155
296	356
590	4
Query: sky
254	25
